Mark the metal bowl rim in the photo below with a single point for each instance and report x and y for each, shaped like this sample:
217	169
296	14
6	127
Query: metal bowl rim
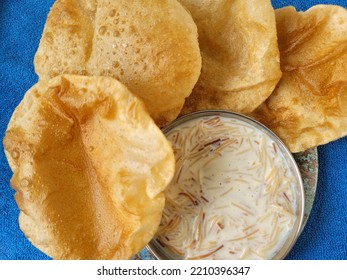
290	242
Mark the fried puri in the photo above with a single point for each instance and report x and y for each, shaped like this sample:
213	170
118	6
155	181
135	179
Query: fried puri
309	106
240	57
150	46
90	167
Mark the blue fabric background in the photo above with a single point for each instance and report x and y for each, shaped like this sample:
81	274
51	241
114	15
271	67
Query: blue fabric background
21	25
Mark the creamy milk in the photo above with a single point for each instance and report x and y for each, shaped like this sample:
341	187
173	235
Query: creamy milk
233	194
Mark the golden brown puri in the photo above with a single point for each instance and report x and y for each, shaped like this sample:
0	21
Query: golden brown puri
90	167
309	106
240	57
150	46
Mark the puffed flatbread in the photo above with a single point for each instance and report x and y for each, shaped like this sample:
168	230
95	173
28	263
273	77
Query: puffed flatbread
309	105
240	58
90	167
150	46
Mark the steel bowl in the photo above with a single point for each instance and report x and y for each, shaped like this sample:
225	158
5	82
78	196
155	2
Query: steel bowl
160	253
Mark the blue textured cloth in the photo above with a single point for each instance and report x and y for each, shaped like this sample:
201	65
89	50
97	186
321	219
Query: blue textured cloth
21	25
